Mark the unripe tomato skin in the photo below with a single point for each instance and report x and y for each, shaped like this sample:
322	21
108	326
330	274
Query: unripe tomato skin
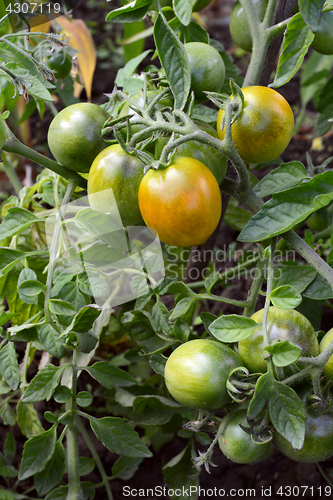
319	220
74	136
264	128
207	69
114	169
61	64
196	373
323	40
328	368
237	444
284	325
182	202
318	442
209	156
239	26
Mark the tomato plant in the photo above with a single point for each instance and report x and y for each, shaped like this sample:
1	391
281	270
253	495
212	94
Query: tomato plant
182	202
265	126
236	444
74	136
196	372
113	184
282	325
151	346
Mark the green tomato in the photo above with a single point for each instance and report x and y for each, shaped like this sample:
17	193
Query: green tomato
319	220
207	69
3	133
264	128
328	368
74	136
323	40
196	373
282	325
116	177
237	444
209	156
61	64
239	26
318	442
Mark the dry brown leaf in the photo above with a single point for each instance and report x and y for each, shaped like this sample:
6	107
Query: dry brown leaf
81	39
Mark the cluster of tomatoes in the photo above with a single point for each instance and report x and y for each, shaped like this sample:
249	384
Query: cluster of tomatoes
197	371
181	202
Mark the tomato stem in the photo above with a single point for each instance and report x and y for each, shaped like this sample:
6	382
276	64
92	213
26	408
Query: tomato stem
255	289
13	145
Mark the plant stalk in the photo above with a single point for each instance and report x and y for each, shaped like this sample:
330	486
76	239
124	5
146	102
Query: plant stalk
74	486
13	145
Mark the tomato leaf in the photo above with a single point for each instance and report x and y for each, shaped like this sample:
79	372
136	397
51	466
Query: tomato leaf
133	11
319	289
195	33
125	467
183	306
284	353
283	177
43	384
37	452
285	408
174	60
296	43
232	328
311	11
287	413
46	480
289	207
9	367
286	297
49	338
297	276
180	473
119	437
15	221
27	419
129	68
31	288
183	10
109	376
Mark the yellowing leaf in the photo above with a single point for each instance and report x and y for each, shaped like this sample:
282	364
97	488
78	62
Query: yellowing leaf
81	39
40	23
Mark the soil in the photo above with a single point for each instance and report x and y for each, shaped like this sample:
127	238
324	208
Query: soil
274	477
